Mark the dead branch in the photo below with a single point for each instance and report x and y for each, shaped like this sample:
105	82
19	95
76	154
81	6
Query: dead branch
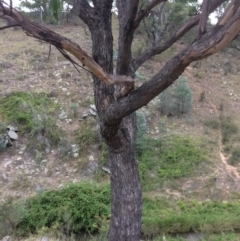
143	13
61	43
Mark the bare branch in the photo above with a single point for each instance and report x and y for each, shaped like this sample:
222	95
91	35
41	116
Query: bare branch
207	45
193	21
231	9
9	26
63	44
203	17
140	16
87	15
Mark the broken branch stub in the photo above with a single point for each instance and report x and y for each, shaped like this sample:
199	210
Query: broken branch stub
42	33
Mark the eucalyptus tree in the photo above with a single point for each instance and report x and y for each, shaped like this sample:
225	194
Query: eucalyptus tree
116	98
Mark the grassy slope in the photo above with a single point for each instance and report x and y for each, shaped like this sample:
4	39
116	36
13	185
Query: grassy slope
29	70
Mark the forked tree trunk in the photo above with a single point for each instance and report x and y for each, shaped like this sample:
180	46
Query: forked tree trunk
126	201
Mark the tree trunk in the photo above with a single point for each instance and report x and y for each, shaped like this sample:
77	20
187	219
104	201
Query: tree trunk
126	190
126	201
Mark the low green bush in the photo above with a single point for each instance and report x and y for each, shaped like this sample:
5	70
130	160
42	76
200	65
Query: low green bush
87	134
84	205
228	128
163	216
235	157
212	123
167	159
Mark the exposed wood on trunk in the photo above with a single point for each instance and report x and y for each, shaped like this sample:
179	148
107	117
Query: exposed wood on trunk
231	9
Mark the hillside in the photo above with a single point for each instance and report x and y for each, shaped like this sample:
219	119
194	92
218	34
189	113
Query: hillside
62	145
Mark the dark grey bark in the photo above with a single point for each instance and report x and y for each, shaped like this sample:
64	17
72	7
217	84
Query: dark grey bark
126	200
117	118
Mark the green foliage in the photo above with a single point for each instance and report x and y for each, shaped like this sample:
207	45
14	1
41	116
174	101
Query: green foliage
163	216
51	8
87	135
168	159
212	123
228	128
55	8
235	157
176	99
11	214
163	22
80	207
85	207
33	113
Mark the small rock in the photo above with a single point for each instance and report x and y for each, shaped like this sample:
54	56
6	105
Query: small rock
92	167
13	135
62	115
91	158
7	238
65	63
12	128
105	169
84	115
75	155
92	112
93	107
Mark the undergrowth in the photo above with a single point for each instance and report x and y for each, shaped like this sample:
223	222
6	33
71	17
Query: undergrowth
84	208
75	208
167	159
163	216
32	113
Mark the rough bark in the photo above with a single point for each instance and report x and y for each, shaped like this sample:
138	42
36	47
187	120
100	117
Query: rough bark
126	198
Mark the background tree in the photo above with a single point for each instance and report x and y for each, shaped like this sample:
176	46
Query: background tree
176	99
115	97
52	8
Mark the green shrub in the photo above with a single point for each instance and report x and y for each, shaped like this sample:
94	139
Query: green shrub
176	99
167	159
235	157
212	123
87	134
84	204
228	128
164	216
33	113
11	214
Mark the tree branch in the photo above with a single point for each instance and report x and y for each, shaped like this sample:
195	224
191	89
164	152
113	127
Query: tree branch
9	26
42	33
193	21
207	45
140	16
127	11
87	15
203	17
